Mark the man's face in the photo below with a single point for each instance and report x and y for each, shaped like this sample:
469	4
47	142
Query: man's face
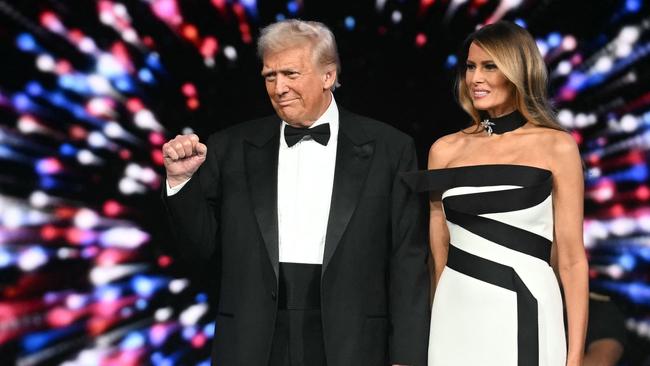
298	89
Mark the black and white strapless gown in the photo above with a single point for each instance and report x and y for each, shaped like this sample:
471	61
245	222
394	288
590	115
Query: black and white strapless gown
498	301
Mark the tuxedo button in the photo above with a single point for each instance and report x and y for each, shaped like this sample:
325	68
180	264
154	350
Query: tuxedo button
274	296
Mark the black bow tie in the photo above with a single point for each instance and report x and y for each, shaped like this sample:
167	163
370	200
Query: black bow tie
320	134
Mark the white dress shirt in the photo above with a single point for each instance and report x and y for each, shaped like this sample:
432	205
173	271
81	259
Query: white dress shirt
305	183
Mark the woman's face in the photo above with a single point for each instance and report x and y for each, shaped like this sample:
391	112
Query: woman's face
489	89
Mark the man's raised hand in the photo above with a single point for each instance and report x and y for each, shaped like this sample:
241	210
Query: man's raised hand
183	155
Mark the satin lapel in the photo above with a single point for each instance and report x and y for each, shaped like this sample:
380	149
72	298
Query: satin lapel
262	175
353	158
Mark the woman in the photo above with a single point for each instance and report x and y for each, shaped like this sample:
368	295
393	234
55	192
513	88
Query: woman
505	191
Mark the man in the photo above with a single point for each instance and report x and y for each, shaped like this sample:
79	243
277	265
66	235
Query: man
321	247
606	333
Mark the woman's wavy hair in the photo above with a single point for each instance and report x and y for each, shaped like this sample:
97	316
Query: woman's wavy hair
515	53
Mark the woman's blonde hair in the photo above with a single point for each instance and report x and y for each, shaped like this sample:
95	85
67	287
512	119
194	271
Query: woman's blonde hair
515	53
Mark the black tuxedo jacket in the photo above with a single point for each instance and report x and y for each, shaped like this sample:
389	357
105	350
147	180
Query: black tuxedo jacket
374	283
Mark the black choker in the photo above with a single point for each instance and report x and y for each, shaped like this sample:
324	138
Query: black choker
503	124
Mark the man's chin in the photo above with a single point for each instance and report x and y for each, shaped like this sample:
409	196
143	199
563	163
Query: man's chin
288	118
294	119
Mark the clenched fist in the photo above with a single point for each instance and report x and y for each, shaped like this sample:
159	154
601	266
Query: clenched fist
183	156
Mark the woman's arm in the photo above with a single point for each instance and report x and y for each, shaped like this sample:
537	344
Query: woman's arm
438	231
568	202
438	236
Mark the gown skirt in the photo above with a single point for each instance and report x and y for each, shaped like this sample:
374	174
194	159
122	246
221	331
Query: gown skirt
497	302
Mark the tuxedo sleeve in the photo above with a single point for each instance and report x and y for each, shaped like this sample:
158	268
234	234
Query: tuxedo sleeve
193	212
409	275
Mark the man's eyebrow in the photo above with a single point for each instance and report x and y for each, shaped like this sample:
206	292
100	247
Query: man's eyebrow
287	70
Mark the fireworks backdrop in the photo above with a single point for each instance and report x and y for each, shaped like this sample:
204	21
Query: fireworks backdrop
91	89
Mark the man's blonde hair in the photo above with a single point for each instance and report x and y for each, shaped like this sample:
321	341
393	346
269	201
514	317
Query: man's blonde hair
296	33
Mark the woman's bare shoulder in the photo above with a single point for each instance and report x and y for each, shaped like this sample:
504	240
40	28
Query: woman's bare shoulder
559	148
559	143
446	147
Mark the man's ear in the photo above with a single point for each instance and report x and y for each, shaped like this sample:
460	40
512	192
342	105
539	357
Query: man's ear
329	78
